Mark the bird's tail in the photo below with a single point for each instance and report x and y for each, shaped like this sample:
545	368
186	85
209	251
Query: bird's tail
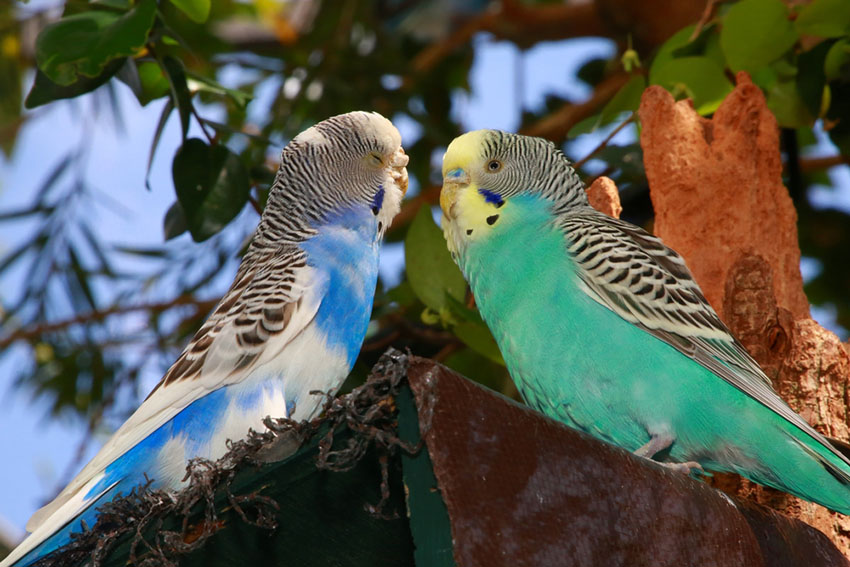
809	468
56	530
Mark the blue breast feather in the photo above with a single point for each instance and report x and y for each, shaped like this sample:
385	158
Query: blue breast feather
346	250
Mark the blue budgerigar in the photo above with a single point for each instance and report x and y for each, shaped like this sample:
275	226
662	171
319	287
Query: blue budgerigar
603	327
293	321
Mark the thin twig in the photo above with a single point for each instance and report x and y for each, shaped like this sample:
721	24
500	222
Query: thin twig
35	331
429	57
255	204
817	163
604	142
707	14
201	123
447	350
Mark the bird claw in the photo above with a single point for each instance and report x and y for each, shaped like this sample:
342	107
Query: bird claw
687	468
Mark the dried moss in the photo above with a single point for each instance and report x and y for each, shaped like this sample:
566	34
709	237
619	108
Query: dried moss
368	413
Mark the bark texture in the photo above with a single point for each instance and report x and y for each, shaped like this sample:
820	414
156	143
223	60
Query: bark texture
603	197
719	201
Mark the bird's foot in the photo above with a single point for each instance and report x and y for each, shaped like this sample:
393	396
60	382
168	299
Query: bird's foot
656	444
687	468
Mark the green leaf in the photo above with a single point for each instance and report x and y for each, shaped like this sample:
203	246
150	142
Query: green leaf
199	83
810	78
839	112
784	100
160	126
179	91
836	64
117	4
174	224
430	269
153	82
680	44
402	294
592	71
824	18
83	44
706	43
44	90
585	126
674	45
755	33
627	99
700	78
471	329
479	368
478	337
212	186
197	10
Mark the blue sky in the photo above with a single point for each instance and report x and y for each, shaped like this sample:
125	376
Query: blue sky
37	449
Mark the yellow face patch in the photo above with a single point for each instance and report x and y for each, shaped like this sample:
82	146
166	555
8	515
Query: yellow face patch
467	214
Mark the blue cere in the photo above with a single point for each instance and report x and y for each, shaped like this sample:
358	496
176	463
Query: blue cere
455	173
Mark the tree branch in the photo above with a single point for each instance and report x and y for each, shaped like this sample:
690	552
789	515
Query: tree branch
556	125
813	164
34	331
605	142
522	24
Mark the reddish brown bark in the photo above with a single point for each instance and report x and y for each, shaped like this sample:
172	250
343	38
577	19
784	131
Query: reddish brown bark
717	191
603	197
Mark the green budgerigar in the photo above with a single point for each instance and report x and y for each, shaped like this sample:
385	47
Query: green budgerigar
603	327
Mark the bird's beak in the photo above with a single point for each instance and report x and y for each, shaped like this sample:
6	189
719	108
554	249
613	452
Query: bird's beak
454	181
398	163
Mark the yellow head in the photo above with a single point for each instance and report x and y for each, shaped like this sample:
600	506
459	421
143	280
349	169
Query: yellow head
484	170
468	205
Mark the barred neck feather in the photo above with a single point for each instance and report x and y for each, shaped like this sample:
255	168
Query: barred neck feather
325	169
530	166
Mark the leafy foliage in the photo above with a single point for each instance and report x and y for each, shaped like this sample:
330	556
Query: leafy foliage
204	59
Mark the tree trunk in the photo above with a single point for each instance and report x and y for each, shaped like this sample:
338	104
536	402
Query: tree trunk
719	201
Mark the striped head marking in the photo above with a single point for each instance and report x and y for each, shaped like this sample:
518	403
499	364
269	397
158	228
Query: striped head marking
485	169
349	159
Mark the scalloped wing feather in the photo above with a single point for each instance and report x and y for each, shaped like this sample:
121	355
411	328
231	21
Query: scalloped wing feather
635	275
274	297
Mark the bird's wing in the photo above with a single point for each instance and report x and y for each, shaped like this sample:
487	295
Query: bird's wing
274	297
636	276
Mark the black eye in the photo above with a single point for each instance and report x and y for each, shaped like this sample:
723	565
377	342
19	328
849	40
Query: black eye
494	165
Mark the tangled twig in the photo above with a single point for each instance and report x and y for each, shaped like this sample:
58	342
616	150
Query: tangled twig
368	412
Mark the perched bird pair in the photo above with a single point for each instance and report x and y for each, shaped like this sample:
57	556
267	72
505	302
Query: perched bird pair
600	324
